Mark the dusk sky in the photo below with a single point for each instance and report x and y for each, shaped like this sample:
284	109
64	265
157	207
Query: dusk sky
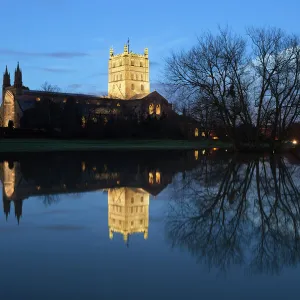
66	42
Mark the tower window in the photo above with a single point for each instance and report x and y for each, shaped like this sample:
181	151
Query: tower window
142	87
132	62
141	64
114	65
132	86
120	62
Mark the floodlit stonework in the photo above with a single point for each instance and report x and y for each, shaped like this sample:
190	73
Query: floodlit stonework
128	211
128	79
128	74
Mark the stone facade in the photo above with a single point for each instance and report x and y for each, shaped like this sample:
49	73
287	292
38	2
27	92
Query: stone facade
128	80
128	74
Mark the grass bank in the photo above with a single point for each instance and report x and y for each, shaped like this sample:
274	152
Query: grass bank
47	145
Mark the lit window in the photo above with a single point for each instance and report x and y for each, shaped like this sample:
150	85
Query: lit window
196	132
151	109
203	134
118	104
157	177
151	178
196	154
38	99
158	109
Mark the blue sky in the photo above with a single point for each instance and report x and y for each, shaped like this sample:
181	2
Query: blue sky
66	42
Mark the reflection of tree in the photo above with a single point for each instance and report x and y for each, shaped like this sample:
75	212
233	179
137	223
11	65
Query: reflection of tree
50	199
249	216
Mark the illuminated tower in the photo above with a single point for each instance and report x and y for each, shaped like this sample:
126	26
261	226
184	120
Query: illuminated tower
128	212
128	74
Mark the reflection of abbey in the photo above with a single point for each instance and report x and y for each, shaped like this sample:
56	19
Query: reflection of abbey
128	79
129	183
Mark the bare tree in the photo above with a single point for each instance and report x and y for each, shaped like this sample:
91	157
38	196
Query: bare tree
47	87
276	65
249	89
217	69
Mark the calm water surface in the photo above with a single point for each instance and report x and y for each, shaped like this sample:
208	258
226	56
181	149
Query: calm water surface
149	225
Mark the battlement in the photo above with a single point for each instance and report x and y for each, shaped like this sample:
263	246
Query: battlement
128	74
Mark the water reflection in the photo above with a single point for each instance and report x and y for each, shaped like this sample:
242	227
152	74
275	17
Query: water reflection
244	212
225	210
128	178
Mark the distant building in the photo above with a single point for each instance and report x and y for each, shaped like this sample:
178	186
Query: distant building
128	92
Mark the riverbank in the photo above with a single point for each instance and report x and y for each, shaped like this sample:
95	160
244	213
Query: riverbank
48	145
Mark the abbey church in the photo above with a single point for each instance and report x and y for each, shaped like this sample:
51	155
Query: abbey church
128	92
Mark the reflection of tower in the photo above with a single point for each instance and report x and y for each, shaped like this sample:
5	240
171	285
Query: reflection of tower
18	209
128	211
6	207
9	179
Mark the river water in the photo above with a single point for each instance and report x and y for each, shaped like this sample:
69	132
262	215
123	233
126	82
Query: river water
202	224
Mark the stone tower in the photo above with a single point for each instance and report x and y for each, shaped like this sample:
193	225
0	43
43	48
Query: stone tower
128	74
6	80
18	78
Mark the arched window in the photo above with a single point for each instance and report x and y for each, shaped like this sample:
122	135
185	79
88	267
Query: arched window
142	87
157	109
151	178
157	177
132	86
196	132
151	109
